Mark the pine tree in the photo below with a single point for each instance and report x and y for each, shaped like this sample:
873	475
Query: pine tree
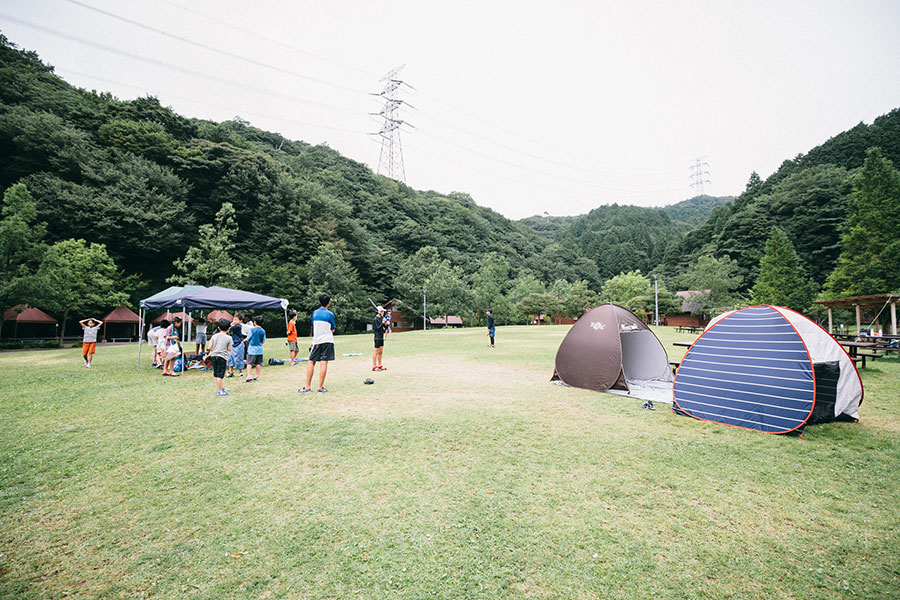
870	253
212	261
781	280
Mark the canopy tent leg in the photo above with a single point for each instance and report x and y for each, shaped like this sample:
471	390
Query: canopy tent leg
140	334
830	321
184	329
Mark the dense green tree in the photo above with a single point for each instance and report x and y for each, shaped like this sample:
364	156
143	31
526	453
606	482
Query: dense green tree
21	247
412	278
870	256
536	304
77	277
717	279
490	284
330	273
448	293
212	261
573	298
781	280
625	287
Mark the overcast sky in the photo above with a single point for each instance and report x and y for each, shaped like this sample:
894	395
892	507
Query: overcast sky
528	106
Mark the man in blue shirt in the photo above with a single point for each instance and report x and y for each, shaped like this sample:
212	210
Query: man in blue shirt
255	347
322	349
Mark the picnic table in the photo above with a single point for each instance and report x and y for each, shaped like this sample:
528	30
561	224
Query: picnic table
853	349
688	329
684	344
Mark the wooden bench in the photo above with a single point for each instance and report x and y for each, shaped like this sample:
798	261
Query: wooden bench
114	340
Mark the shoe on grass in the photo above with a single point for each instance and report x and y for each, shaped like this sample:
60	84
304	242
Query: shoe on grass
222	393
229	375
322	390
304	390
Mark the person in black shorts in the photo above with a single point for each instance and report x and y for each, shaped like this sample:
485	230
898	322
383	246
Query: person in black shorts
379	326
322	349
219	349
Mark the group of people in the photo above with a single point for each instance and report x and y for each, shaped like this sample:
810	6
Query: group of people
238	344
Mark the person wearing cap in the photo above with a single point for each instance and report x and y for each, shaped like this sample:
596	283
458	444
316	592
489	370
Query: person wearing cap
379	326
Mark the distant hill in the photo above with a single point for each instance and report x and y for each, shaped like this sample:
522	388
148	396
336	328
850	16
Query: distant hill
694	211
549	227
623	238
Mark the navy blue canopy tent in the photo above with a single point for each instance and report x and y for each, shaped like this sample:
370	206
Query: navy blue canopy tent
201	298
195	297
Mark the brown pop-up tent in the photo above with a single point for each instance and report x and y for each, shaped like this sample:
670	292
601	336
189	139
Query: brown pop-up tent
610	349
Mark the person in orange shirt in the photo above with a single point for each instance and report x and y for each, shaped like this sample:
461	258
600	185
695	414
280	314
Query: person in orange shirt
292	337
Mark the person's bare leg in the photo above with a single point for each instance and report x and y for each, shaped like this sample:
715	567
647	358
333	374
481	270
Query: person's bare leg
310	367
379	353
257	370
90	357
220	383
323	369
375	359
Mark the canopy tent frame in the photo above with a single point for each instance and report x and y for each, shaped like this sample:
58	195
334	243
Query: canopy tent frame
190	298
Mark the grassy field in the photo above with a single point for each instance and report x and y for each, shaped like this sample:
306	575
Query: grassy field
461	473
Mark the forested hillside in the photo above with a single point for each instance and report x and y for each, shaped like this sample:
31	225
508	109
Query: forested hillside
808	197
694	211
173	199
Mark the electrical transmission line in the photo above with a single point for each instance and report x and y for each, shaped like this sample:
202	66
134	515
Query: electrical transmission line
390	161
699	174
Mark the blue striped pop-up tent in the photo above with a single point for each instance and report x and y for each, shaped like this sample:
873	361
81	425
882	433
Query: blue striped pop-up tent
767	368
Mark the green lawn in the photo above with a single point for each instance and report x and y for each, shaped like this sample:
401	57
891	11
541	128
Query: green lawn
462	473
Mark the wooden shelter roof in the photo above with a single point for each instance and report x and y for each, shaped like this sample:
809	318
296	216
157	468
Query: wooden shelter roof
28	315
873	300
122	314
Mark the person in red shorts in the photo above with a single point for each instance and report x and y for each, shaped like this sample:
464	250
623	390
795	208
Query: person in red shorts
89	342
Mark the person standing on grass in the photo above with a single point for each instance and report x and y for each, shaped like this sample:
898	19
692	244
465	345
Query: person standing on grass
390	331
236	357
490	316
255	342
153	341
292	337
246	326
200	340
322	349
173	347
161	343
379	327
89	342
219	349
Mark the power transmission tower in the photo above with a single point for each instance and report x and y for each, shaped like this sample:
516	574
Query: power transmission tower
699	174
390	161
